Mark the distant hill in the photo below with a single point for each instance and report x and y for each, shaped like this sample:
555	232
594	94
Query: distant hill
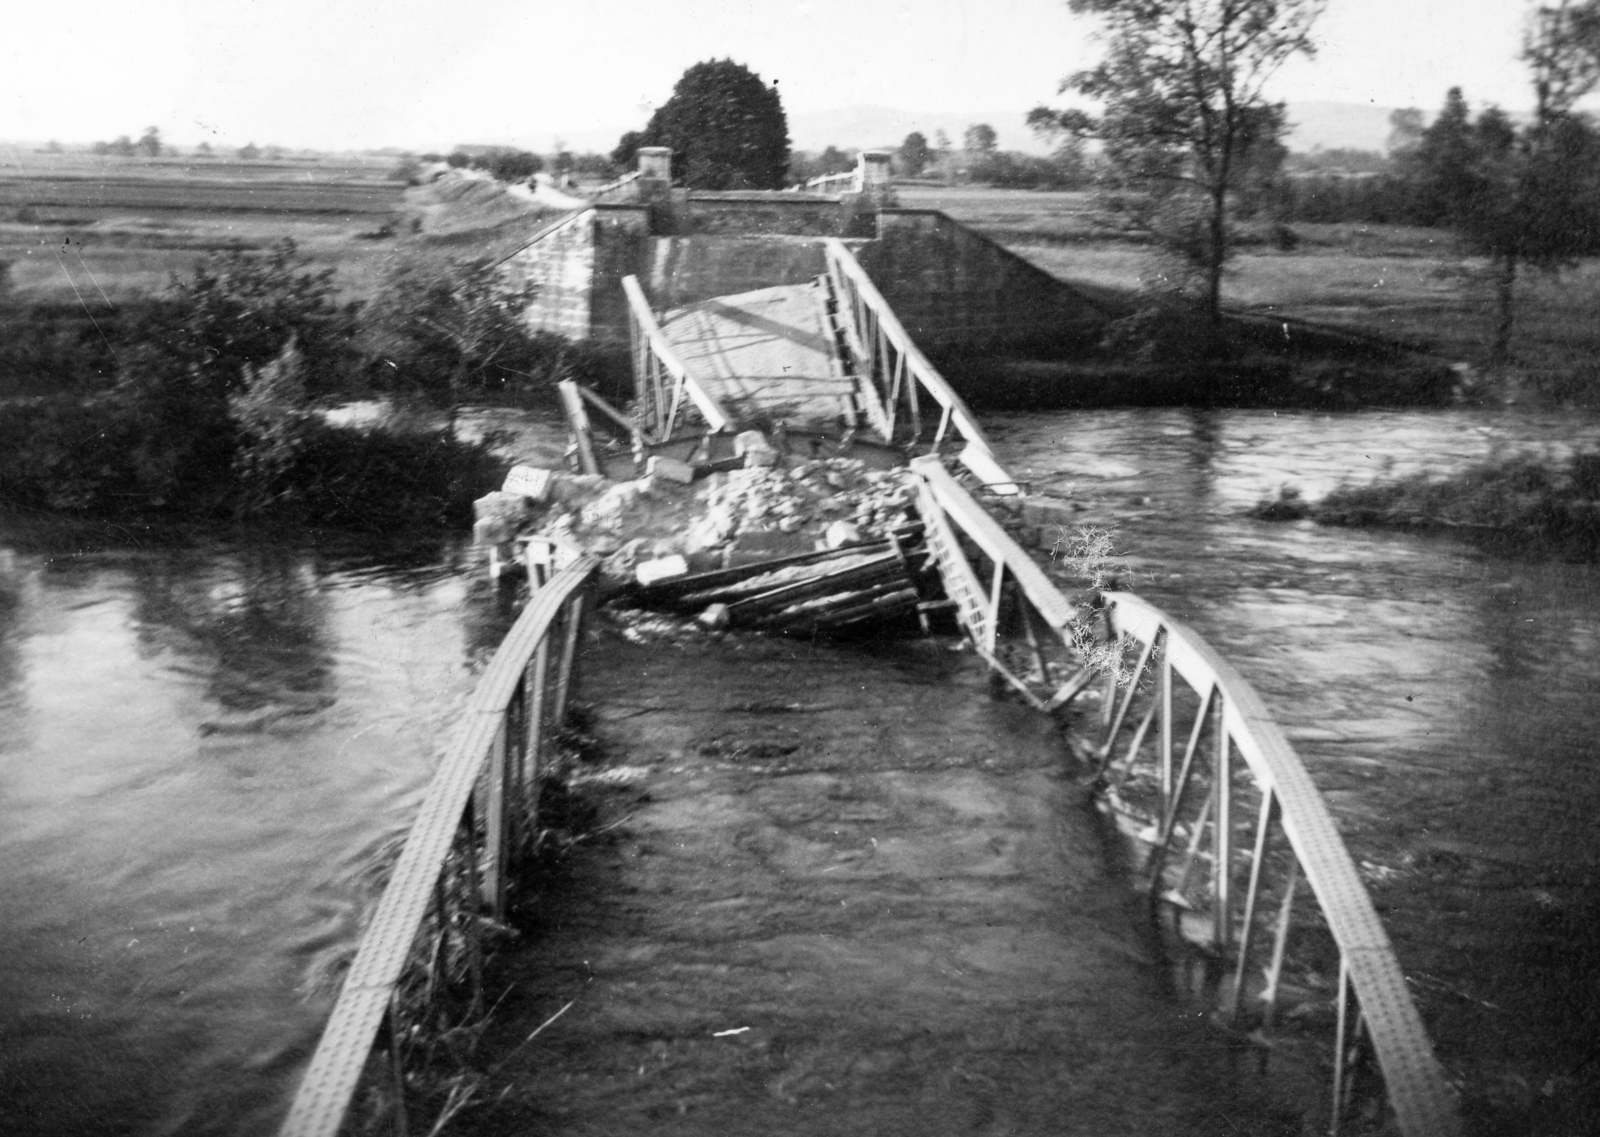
1338	126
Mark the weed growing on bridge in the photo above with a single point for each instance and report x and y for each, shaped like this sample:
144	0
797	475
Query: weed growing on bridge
1086	552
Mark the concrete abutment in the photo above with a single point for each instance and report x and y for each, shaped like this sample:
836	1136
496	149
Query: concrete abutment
955	290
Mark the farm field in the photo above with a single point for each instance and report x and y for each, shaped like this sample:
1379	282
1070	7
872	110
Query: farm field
94	230
103	230
1414	285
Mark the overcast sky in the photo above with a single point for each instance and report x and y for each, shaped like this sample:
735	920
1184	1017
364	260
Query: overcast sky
360	73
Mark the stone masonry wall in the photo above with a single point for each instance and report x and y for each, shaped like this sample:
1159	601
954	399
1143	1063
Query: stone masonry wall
684	270
576	266
559	263
954	289
621	234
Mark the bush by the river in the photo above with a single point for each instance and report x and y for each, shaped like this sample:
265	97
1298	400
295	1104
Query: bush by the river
1554	505
166	440
206	401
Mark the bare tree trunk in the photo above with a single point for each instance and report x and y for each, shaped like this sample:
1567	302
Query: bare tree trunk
1216	255
1505	284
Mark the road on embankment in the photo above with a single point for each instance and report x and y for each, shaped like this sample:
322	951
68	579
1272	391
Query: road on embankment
839	889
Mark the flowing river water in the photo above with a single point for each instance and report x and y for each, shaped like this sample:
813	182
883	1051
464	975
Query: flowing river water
206	746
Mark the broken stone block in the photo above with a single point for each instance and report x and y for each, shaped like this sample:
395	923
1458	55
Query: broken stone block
529	482
497	516
669	468
840	534
753	446
715	616
661	568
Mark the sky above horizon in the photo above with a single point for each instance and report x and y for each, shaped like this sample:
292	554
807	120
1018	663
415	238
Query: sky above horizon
337	74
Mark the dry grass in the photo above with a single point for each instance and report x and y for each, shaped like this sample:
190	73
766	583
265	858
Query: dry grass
112	262
1410	284
111	229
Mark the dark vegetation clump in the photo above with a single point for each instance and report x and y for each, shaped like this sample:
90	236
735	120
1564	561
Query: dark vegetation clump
1554	506
208	401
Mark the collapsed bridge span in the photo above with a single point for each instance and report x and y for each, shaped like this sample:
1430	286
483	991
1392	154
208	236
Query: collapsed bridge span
866	886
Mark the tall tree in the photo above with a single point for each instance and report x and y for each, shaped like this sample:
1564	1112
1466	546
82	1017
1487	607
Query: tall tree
1530	196
980	138
726	128
1185	114
1562	50
914	154
1445	164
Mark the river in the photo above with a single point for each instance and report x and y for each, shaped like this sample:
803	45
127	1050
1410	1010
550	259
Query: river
207	744
1442	695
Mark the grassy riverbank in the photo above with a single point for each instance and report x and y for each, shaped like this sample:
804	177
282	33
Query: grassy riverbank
1411	286
172	330
1550	506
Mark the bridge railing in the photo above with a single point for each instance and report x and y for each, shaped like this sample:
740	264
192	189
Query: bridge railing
1228	822
610	189
420	960
835	183
661	381
894	376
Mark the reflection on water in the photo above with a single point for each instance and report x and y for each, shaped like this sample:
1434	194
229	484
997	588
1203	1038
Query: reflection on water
203	750
1443	696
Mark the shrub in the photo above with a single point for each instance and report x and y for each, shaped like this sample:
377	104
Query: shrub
456	331
386	479
239	309
273	429
1519	498
67	455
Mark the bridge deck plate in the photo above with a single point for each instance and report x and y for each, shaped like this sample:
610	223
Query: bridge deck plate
763	355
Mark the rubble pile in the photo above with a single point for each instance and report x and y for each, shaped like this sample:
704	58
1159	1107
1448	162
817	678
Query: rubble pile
723	519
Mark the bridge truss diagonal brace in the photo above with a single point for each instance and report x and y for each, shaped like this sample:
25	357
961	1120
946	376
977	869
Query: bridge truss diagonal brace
653	354
894	370
1418	1092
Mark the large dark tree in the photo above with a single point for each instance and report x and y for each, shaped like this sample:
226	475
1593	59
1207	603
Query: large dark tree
1443	165
726	128
980	139
1186	122
915	154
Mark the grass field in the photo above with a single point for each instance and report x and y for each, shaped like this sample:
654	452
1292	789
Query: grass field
105	230
79	227
1411	284
100	230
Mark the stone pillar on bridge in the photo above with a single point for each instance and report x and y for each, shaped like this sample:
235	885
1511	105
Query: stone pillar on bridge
873	172
871	191
655	187
655	163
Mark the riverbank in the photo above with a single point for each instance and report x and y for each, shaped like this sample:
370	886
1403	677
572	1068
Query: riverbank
1537	504
1416	289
